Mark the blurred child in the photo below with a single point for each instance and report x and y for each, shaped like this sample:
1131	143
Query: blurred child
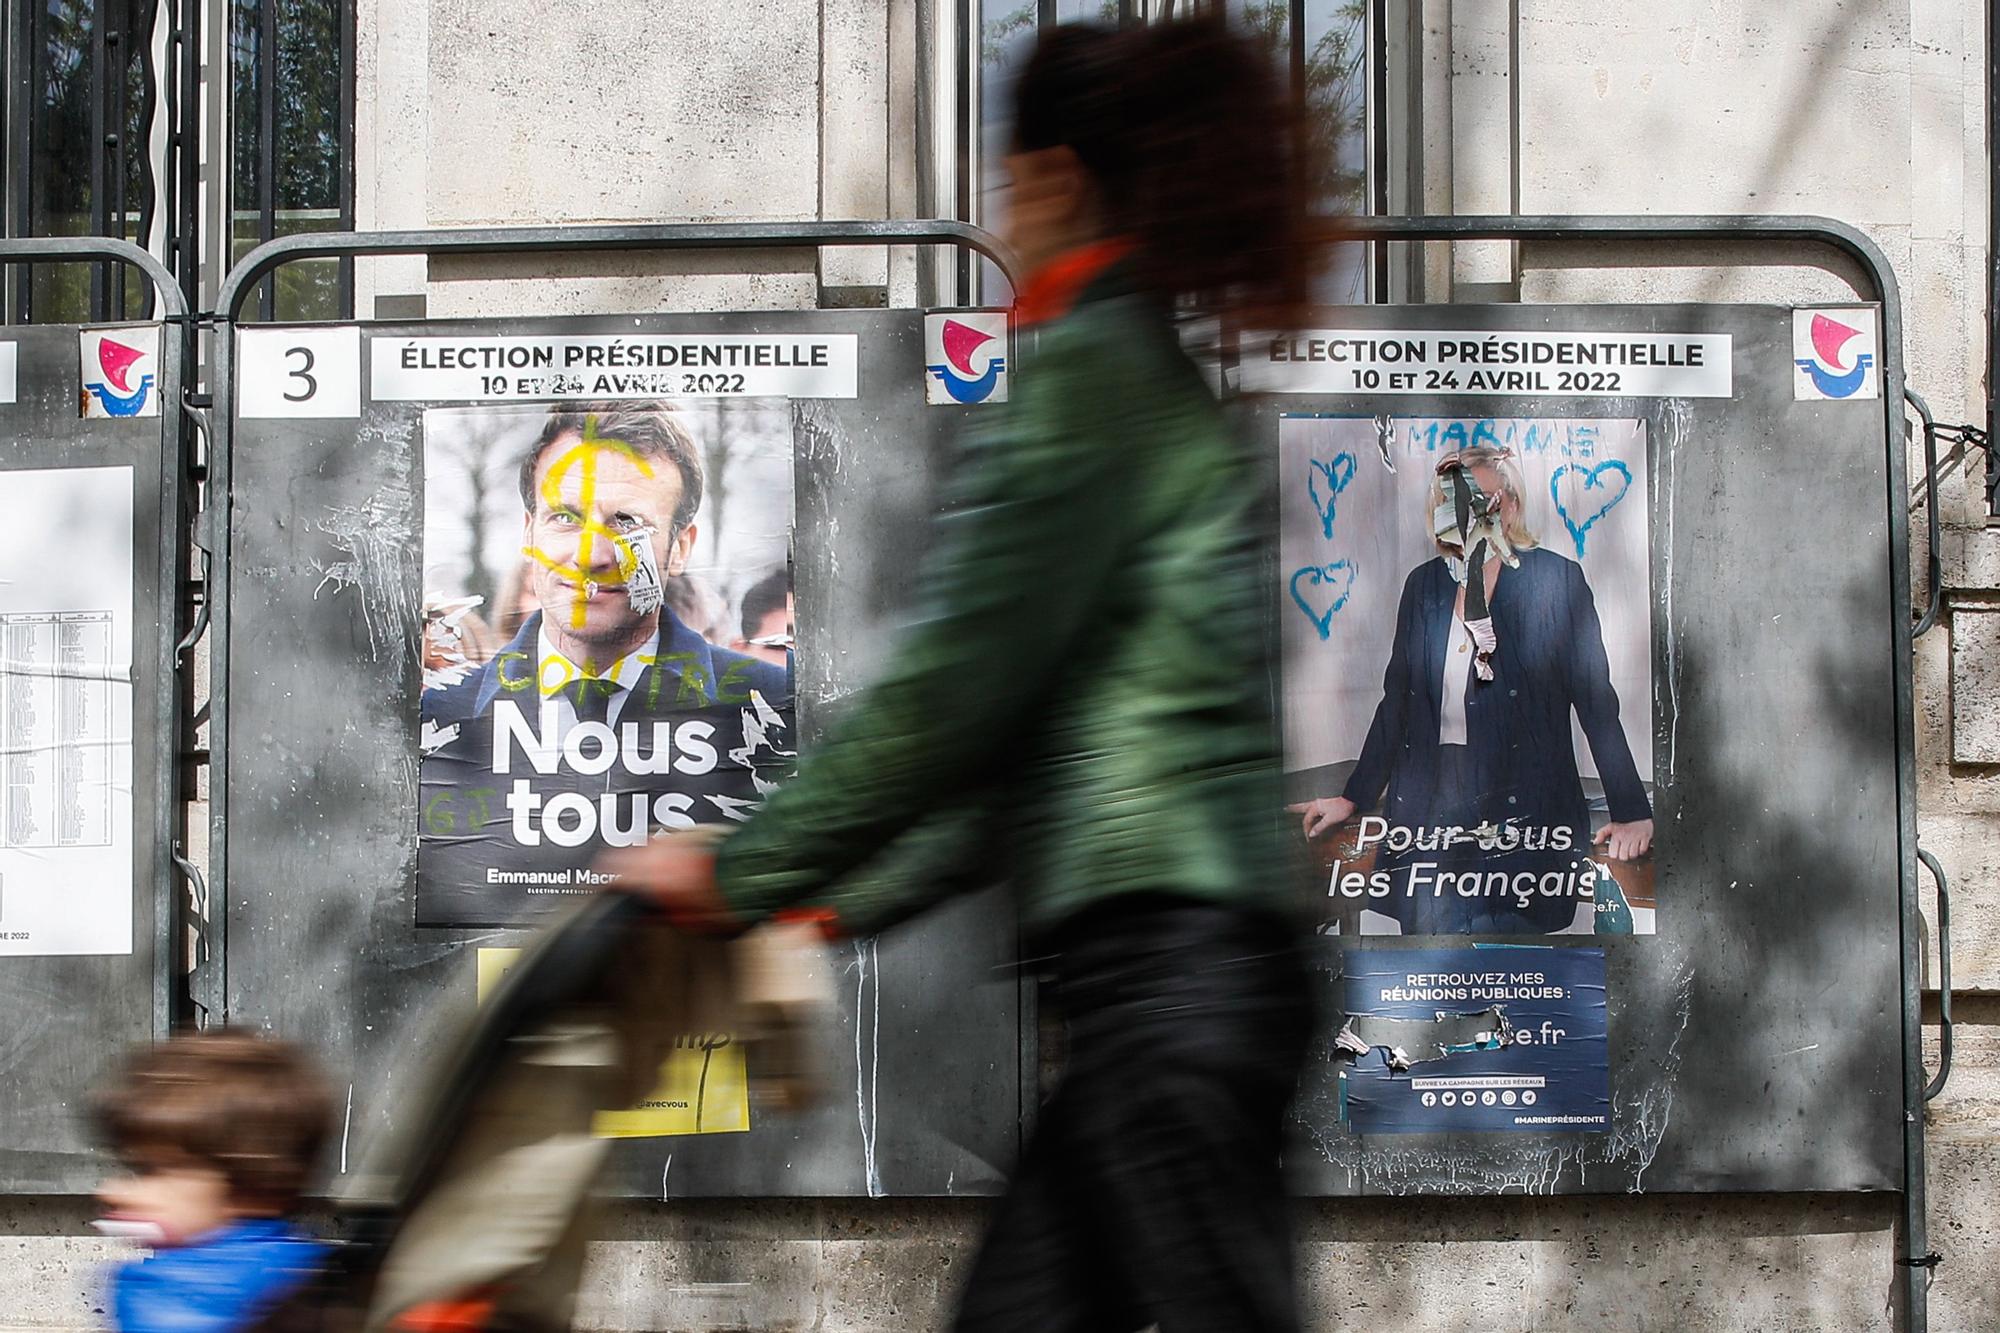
218	1132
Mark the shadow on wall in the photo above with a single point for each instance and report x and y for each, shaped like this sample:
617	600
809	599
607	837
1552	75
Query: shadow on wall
1778	847
1499	1265
1495	1265
1788	137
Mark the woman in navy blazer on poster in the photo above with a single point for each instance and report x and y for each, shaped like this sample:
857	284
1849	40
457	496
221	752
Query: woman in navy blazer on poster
1505	763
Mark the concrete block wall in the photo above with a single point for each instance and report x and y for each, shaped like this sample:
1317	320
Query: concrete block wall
1867	110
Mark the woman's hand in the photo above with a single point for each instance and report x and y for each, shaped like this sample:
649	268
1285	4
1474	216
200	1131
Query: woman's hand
676	873
1625	842
1324	815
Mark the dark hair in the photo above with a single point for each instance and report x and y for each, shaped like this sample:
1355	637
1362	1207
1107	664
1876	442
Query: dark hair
766	595
649	428
1199	152
249	1106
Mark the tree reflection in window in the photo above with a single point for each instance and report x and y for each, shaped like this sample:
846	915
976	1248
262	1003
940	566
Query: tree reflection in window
291	72
84	166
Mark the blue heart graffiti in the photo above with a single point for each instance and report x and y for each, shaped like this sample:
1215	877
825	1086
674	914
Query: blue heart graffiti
1340	573
1592	480
1337	474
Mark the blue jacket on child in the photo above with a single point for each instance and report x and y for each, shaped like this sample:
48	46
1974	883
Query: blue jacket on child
219	1284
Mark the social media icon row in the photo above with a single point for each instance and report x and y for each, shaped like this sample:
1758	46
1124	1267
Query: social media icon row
1488	1098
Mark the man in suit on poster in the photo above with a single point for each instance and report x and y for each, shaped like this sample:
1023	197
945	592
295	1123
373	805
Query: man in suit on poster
605	718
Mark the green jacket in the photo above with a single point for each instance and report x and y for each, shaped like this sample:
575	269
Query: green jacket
1083	705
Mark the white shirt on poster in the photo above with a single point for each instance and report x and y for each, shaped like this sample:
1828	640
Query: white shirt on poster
557	675
1457	675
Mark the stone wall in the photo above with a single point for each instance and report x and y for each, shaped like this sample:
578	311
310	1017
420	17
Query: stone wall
1871	111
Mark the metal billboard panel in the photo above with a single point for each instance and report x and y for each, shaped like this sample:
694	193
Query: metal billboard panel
316	806
1753	1039
88	721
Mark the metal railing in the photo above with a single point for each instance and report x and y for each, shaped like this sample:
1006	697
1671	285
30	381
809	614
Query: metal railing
175	362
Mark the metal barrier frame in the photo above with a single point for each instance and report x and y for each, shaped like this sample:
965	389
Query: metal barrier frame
176	363
1877	274
1878	280
240	284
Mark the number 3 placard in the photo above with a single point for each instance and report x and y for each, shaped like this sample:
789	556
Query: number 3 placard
299	372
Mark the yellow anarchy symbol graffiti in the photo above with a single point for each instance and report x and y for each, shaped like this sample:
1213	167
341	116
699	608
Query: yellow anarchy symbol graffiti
582	457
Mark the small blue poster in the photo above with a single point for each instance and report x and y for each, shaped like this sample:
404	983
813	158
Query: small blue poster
1493	1038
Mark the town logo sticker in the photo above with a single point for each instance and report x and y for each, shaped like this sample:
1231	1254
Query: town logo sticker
1838	354
965	358
121	372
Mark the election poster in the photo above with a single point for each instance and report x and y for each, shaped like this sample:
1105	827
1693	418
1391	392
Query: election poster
1467	616
608	627
1488	1039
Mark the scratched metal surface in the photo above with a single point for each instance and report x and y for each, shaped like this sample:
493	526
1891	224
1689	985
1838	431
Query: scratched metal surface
69	1020
322	788
1755	1039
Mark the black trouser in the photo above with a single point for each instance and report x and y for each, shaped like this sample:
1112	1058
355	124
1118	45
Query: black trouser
1151	1193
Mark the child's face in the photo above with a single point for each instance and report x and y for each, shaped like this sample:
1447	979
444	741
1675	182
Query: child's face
176	1203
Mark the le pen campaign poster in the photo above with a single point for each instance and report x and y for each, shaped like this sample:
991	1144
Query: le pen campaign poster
607	639
1467	619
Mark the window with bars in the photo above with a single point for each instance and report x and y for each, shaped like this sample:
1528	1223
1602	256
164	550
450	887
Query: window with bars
84	99
291	96
100	142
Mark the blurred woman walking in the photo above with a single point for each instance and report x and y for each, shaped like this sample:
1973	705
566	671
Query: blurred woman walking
1084	705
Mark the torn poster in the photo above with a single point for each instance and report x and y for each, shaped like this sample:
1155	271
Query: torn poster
1504	1038
1467	635
66	614
607	639
704	1085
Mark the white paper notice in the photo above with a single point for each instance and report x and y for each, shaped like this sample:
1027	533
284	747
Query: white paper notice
66	713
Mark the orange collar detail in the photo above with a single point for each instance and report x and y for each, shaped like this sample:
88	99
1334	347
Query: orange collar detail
1050	292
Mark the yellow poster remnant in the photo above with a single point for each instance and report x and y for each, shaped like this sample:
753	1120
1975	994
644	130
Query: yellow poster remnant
704	1085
